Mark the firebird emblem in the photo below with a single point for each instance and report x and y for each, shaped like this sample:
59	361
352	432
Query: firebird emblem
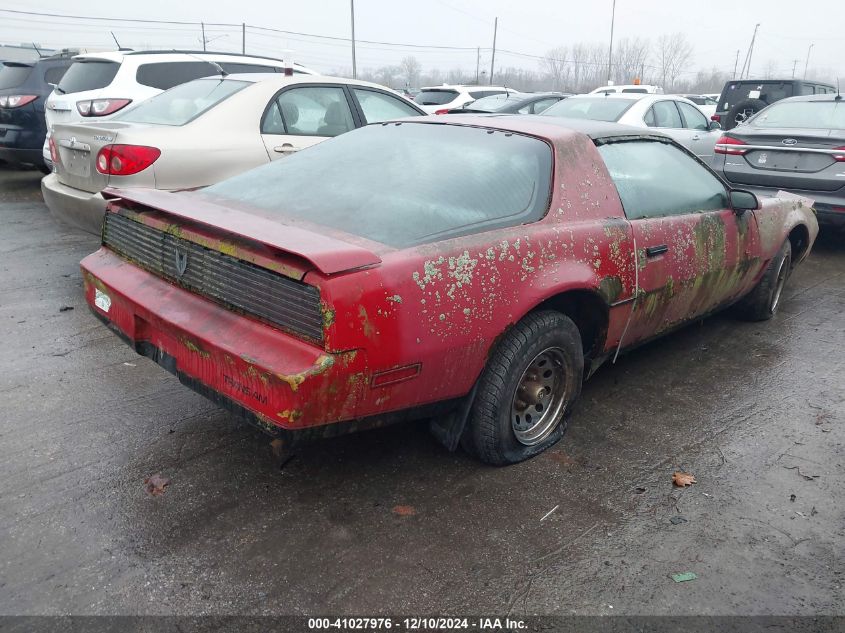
181	261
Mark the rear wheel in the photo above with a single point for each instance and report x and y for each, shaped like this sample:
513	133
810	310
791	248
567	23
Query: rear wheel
762	302
526	392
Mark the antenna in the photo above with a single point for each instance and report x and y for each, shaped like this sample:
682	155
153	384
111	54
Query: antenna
37	50
838	96
115	40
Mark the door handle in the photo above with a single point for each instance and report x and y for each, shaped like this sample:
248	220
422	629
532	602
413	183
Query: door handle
654	251
285	148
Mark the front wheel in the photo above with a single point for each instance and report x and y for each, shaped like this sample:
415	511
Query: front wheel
762	302
526	392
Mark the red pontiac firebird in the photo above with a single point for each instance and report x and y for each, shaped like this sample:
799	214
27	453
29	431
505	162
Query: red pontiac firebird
472	270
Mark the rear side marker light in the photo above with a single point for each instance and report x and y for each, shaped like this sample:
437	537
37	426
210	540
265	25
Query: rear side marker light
727	145
101	107
125	160
16	101
397	374
54	152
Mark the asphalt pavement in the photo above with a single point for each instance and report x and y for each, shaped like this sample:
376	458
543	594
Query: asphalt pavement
388	521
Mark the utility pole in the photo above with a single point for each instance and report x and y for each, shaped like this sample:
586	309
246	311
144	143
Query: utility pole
736	64
610	53
243	38
202	24
477	63
354	66
493	59
746	65
794	64
807	63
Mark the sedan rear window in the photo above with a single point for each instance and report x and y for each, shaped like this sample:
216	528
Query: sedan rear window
88	74
803	114
596	108
403	184
13	75
182	104
435	97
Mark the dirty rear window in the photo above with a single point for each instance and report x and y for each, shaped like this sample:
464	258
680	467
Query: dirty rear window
13	75
184	103
824	115
593	108
436	97
404	184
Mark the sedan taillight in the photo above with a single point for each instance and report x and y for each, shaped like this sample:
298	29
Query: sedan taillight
101	107
16	101
728	145
840	156
125	160
442	111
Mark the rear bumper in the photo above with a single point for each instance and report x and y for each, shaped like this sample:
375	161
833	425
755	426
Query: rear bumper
82	209
274	380
20	156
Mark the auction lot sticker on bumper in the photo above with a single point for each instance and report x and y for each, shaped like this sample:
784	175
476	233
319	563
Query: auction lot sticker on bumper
102	300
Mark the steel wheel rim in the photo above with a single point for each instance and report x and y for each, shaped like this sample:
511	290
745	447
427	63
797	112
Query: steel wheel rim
539	398
779	284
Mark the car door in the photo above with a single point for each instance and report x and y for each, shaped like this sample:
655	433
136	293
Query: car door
301	115
694	253
665	117
703	139
376	105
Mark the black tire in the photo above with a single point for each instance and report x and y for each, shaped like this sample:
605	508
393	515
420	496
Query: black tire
762	302
749	107
540	337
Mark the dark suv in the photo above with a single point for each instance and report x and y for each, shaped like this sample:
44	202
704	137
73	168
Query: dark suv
24	87
742	98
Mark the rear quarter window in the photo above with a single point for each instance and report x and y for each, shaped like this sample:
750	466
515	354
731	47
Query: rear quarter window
88	75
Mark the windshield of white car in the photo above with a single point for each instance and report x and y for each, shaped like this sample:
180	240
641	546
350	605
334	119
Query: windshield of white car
403	184
182	104
435	97
802	114
593	108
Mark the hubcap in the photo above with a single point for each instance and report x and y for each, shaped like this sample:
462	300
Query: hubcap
779	284
539	398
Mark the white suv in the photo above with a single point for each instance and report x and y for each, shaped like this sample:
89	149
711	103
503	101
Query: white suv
441	99
100	84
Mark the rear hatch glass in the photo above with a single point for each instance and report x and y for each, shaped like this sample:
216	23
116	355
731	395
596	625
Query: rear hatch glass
88	74
435	97
405	184
13	75
768	92
182	104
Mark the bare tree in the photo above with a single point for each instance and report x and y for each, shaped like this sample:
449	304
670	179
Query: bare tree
557	67
673	53
629	59
411	69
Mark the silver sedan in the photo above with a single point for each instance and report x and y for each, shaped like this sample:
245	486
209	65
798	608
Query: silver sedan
672	115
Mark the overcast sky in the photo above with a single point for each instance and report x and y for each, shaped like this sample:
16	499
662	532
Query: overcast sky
715	29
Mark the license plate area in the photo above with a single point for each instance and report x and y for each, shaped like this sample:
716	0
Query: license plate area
76	162
807	162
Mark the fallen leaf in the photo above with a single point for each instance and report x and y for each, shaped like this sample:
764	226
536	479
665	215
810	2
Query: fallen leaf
404	511
65	308
684	577
682	479
156	485
677	520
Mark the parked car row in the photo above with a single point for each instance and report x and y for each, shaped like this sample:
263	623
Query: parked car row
318	256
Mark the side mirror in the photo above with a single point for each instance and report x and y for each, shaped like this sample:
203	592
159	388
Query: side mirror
714	125
743	201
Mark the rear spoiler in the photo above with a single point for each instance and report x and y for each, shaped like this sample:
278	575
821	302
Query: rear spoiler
328	254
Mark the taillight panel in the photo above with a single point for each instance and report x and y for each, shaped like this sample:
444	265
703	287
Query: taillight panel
839	157
730	146
16	101
101	107
125	160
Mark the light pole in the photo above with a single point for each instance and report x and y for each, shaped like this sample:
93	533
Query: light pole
354	68
610	53
807	63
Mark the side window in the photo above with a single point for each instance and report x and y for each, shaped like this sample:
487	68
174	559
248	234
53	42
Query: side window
693	118
378	106
649	118
166	75
309	111
234	67
657	179
54	75
807	90
541	105
665	114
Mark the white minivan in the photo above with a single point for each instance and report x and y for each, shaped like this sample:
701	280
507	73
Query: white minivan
100	84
